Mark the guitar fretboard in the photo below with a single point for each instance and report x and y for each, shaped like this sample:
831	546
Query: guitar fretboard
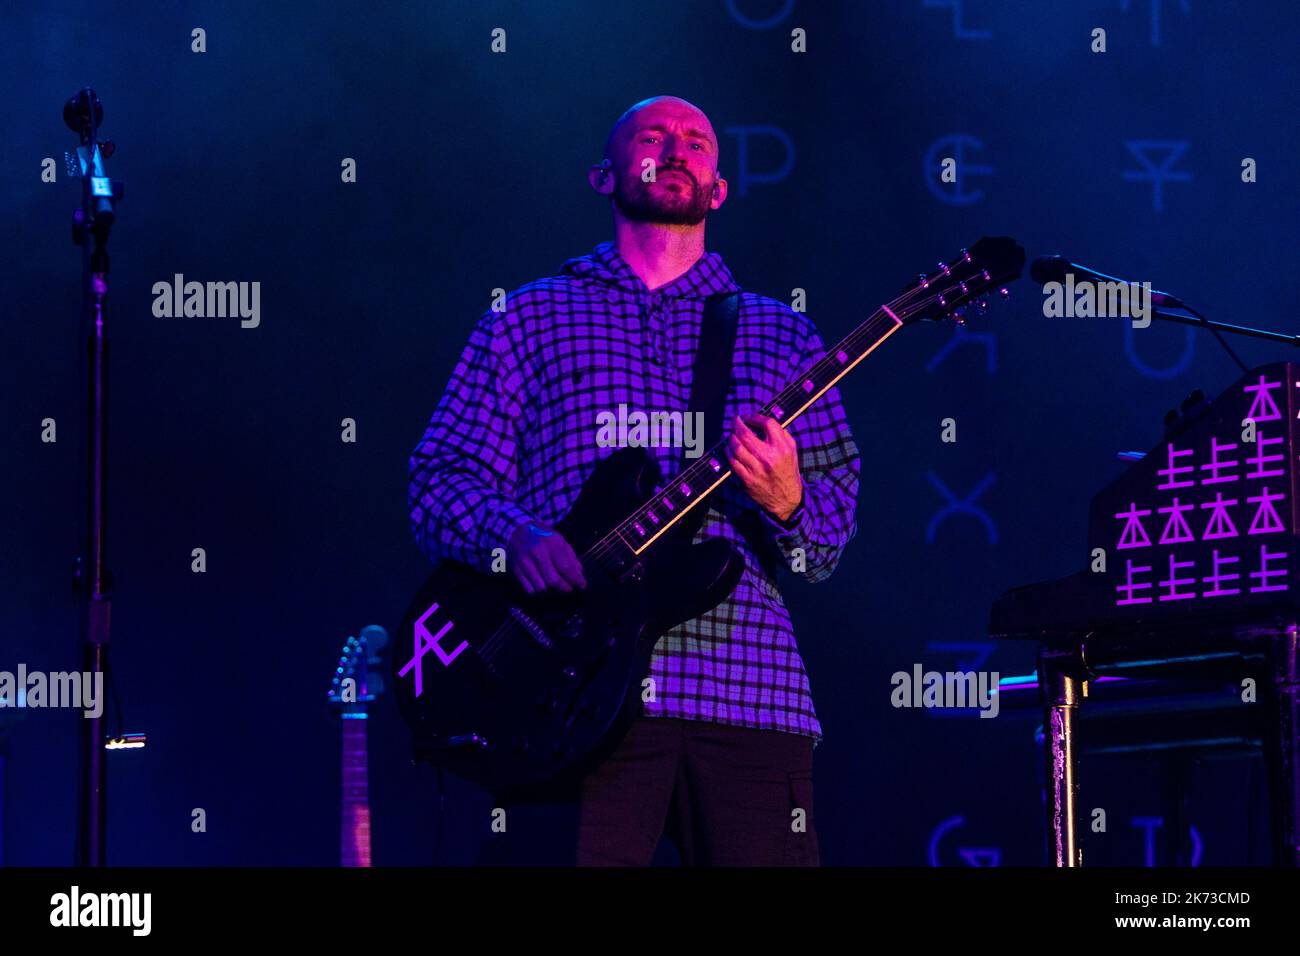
355	835
697	480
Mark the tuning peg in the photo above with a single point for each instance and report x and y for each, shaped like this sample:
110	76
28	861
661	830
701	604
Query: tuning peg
959	316
1004	292
924	280
965	255
943	267
982	305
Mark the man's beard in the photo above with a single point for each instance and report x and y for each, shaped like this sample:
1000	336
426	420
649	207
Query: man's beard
641	201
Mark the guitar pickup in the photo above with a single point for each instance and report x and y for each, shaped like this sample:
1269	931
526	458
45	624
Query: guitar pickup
532	627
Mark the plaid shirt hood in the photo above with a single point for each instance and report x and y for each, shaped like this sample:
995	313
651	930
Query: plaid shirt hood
708	276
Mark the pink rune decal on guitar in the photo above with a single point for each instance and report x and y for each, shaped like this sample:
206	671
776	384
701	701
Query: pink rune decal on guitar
426	642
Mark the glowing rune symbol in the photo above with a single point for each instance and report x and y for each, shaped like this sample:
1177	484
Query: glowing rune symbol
953	146
1150	172
1155	16
959	31
426	642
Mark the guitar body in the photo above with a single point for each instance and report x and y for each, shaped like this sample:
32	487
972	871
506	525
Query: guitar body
531	692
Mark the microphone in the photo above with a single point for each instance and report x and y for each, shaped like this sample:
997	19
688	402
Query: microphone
1047	269
84	113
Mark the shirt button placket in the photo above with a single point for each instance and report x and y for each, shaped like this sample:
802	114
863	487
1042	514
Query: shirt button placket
653	390
658	323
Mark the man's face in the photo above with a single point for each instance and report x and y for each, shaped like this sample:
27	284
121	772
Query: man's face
679	143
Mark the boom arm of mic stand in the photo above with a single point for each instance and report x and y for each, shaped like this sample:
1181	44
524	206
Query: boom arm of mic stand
1195	318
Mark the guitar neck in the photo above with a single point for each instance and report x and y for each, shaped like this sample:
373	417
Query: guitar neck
355	824
649	522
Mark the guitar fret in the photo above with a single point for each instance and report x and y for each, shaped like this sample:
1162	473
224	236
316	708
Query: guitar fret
797	396
827	370
643	527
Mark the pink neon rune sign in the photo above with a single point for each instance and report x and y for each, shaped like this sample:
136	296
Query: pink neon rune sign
1209	514
426	642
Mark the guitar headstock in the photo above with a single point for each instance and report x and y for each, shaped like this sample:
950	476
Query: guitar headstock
972	277
357	679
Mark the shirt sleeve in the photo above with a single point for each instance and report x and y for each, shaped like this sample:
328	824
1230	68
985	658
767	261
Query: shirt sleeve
463	473
830	467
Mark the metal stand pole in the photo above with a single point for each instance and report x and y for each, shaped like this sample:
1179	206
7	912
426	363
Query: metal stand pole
1060	693
92	224
1282	746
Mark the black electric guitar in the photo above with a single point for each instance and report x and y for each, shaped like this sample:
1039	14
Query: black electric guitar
509	690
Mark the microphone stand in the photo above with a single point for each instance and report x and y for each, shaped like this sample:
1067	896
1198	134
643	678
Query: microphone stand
1195	318
91	224
1048	269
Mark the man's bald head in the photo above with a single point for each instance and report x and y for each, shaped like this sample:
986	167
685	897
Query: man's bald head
654	108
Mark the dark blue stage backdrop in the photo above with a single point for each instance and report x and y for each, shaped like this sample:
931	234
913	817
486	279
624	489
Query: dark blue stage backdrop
470	164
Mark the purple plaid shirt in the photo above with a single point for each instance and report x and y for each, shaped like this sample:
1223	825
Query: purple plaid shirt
514	437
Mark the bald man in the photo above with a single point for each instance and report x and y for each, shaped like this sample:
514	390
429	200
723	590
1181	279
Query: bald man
721	756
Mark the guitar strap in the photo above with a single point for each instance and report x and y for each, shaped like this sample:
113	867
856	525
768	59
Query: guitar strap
713	359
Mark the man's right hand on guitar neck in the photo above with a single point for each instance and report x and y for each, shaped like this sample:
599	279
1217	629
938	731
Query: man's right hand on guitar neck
541	560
